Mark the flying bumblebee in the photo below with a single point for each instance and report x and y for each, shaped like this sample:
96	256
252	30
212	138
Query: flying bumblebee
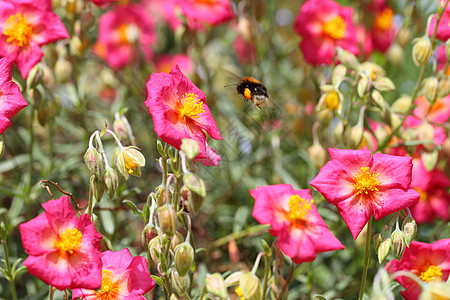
252	89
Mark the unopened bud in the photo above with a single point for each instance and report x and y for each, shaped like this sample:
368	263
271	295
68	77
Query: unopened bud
377	239
76	46
401	105
422	50
444	86
129	161
167	220
233	279
111	181
378	100
97	187
184	256
384	84
63	70
250	286
2	147
195	184
190	148
395	54
34	76
177	239
348	59
179	283
121	127
363	85
148	234
216	285
398	243
409	229
318	155
384	249
425	132
325	116
154	247
403	36
94	162
430	88
338	74
161	195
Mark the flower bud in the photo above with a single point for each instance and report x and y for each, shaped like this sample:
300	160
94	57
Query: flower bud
401	105
430	88
216	285
403	36
76	46
97	187
111	181
195	184
167	220
161	195
63	70
2	147
348	59
425	132
325	116
250	286
384	84
444	86
154	247
398	243
190	147
318	155
179	283
435	290
396	54
377	239
184	256
384	249
409	229
331	100
234	278
363	84
338	74
121	127
148	234
129	161
378	100
422	50
177	239
94	162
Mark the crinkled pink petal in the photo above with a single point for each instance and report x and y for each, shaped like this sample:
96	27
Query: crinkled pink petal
394	171
300	248
46	32
60	214
141	280
212	158
27	58
352	160
37	236
392	200
266	197
50	269
356	212
4	123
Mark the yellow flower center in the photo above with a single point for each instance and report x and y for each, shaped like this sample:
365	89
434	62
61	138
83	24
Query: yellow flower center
239	292
69	240
432	273
110	289
365	181
191	107
335	28
298	210
423	194
128	33
130	163
332	100
383	21
18	30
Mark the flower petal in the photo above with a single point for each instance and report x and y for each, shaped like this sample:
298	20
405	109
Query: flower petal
37	236
356	212
393	200
395	171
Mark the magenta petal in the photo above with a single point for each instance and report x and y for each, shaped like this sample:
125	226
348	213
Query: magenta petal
300	247
37	236
356	212
266	197
52	30
4	123
393	200
140	277
395	171
49	269
352	160
27	58
60	214
116	260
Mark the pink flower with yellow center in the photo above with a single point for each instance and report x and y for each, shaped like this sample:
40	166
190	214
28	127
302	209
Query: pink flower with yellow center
125	34
11	100
323	26
361	185
429	262
64	251
123	277
179	111
165	62
434	199
24	27
382	31
443	29
301	232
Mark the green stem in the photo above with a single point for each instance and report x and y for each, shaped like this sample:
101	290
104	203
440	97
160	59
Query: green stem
8	268
164	164
366	259
50	292
30	154
288	278
254	230
266	275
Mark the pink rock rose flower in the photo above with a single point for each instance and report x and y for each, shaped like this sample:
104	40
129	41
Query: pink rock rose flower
24	27
300	230
165	63
361	185
123	277
64	251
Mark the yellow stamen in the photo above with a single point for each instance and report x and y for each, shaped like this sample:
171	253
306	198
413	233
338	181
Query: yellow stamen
110	289
239	292
335	28
298	210
432	273
18	30
130	163
383	21
69	240
191	106
332	100
365	181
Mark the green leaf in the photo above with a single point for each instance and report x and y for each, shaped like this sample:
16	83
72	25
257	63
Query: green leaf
319	297
133	207
104	129
158	280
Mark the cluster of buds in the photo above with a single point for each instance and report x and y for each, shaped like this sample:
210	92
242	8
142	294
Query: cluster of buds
395	240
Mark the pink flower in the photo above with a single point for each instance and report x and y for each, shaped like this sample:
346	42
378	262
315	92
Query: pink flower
165	63
102	2
64	251
11	100
439	112
434	199
427	261
443	29
198	13
24	27
300	230
124	33
123	277
361	185
441	57
323	26
244	49
382	31
179	110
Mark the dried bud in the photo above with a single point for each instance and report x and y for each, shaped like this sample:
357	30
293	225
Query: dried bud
430	88
318	155
167	220
216	285
179	283
384	84
422	50
377	239
94	162
111	181
401	105
154	247
250	286
148	234
184	256
403	36
63	70
409	229
129	161
398	243
384	249
190	148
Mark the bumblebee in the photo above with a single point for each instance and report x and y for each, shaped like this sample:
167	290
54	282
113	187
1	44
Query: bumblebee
252	89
